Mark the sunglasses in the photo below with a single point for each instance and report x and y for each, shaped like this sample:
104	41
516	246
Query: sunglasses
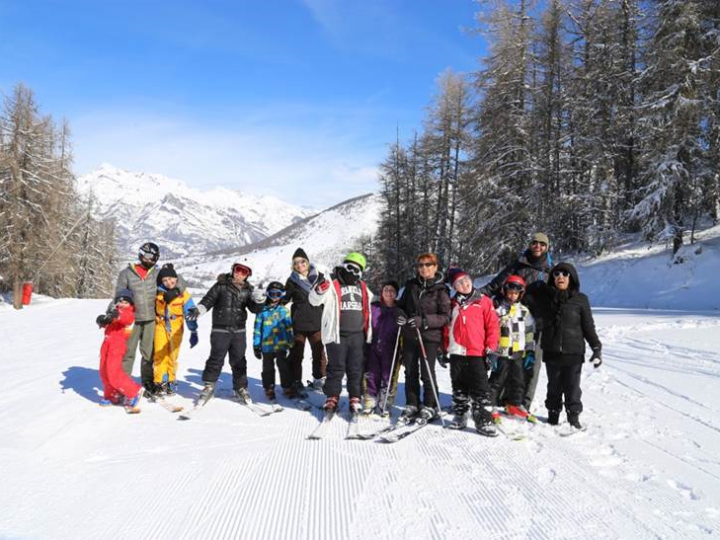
537	243
563	273
514	287
275	294
298	262
353	269
425	264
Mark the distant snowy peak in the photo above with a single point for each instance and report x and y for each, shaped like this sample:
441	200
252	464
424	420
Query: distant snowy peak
183	220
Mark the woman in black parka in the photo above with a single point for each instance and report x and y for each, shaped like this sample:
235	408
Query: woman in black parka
568	325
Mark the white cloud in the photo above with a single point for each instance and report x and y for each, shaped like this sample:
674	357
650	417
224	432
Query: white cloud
316	165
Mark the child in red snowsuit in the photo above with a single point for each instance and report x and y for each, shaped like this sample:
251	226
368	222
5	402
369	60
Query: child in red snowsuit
118	387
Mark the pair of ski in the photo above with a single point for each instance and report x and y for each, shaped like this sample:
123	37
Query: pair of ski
256	408
391	433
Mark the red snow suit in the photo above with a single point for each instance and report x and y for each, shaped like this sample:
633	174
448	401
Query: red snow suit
114	379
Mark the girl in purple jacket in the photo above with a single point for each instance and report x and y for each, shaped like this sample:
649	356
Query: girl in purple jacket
379	357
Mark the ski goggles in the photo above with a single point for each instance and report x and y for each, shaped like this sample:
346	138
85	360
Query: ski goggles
561	273
240	269
148	256
514	287
275	294
353	269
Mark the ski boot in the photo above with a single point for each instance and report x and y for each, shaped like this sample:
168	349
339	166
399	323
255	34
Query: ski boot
408	415
518	411
331	404
270	393
300	390
553	417
574	420
370	404
290	393
243	396
427	414
459	421
317	384
495	415
207	393
171	388
483	421
131	404
355	406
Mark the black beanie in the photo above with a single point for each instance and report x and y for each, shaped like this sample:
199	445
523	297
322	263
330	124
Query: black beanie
166	271
300	252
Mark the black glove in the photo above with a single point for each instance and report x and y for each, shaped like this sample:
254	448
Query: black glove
257	351
102	320
596	358
192	314
114	314
193	339
443	359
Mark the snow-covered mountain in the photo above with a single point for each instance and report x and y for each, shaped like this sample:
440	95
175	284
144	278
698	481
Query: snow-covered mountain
182	220
326	238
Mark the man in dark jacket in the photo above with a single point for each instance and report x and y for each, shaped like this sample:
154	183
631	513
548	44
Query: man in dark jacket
534	267
568	325
425	305
306	322
228	298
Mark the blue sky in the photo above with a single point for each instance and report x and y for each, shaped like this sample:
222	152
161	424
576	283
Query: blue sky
297	98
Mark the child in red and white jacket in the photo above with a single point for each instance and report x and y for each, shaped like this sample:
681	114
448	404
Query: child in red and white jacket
118	387
474	331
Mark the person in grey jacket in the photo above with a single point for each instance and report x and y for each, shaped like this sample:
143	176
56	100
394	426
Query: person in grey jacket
141	279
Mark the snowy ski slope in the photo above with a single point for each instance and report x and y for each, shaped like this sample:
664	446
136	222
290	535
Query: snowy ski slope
648	466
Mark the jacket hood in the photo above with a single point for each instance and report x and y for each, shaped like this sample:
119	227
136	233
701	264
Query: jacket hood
574	278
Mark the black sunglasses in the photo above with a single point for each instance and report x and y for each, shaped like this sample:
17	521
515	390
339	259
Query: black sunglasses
425	264
563	273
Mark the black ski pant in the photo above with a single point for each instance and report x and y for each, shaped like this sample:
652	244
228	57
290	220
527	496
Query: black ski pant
224	342
268	370
319	361
468	375
143	334
345	357
415	369
507	382
564	381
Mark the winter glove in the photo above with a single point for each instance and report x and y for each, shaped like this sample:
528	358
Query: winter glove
596	358
322	286
192	314
193	339
102	320
488	363
114	314
258	296
257	351
401	320
442	359
415	322
529	360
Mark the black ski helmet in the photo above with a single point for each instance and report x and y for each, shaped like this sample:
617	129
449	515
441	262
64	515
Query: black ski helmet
149	251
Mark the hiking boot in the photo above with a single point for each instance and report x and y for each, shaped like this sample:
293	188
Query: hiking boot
243	396
331	404
355	406
574	420
408	415
553	417
207	393
270	393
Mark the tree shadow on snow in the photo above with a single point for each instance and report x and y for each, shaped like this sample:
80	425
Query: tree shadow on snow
83	381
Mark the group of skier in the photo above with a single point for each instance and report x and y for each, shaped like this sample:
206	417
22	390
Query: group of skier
494	337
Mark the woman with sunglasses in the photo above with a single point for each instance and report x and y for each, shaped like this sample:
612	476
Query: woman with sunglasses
425	306
229	298
568	324
306	323
346	328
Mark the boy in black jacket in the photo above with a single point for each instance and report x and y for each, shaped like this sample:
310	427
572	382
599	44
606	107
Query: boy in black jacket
228	298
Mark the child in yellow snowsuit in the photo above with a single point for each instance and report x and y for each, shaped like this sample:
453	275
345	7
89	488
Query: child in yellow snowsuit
171	307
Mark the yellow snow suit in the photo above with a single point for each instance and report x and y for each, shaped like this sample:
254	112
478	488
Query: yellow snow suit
168	335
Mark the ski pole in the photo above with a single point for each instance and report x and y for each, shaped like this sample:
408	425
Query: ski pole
430	375
392	369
